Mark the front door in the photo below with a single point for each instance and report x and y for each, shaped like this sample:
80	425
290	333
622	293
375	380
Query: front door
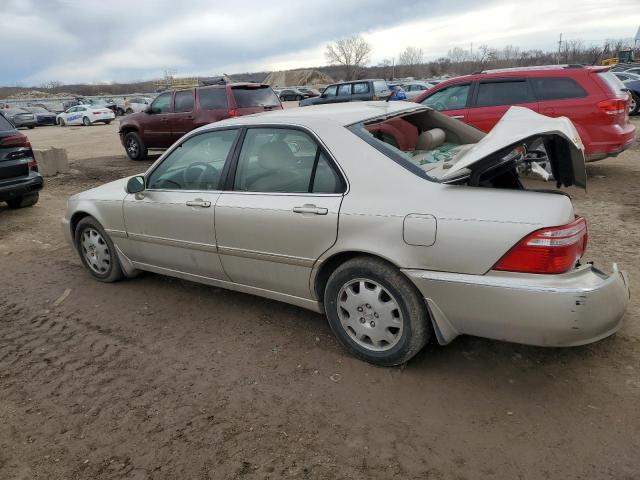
182	120
282	211
171	224
451	100
157	123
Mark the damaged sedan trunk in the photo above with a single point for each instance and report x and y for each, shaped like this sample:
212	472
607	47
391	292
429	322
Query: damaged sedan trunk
445	150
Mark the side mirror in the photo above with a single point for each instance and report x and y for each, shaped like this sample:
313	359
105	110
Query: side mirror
324	95
135	184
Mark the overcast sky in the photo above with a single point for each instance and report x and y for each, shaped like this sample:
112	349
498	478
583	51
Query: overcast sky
124	40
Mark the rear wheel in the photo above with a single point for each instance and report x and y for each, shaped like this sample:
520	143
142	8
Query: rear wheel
283	98
635	104
119	112
61	122
86	122
136	149
97	252
129	110
107	122
24	201
376	312
30	127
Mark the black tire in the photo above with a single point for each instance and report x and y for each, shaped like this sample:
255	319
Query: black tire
411	310
107	122
283	99
135	147
86	122
635	104
129	111
31	127
28	200
298	98
119	112
113	272
61	122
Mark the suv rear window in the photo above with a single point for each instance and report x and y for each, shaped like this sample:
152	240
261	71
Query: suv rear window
255	97
213	98
380	86
555	88
503	93
613	83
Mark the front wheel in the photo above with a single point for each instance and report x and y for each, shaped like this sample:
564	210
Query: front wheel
376	312
24	201
107	122
97	252
635	105
61	122
31	127
136	149
119	112
86	122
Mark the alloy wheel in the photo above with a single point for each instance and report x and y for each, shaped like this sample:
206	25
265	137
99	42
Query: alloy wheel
370	314
95	251
132	147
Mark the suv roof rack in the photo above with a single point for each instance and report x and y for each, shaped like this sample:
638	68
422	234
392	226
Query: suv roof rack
534	67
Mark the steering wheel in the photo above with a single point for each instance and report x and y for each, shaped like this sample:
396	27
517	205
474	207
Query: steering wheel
199	173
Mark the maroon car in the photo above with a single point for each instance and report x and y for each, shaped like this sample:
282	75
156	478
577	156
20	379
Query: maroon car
174	113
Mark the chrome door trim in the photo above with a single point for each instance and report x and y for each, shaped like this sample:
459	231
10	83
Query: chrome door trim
205	247
116	233
267	257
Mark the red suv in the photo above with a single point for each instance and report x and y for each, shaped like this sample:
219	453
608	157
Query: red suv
592	97
174	113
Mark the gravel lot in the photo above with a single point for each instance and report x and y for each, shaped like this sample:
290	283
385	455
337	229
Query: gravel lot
157	378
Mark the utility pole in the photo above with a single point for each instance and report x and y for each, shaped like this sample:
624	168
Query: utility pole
393	68
559	48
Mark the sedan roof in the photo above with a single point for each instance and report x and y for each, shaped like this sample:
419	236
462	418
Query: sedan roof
343	114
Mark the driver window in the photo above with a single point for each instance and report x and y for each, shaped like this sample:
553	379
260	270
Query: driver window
162	104
453	97
196	164
330	91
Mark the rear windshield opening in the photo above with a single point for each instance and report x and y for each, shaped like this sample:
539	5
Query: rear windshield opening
255	96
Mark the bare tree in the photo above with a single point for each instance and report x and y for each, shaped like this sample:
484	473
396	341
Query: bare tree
352	53
411	58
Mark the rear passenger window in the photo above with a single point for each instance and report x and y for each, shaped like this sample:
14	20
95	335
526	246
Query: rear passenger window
184	101
283	160
362	87
344	90
503	93
213	98
247	97
557	88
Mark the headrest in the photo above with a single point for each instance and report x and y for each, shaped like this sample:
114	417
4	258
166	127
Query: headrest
430	139
276	155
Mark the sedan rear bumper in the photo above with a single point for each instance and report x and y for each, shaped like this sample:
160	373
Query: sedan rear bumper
575	308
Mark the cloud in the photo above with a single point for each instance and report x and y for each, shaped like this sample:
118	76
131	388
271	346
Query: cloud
120	40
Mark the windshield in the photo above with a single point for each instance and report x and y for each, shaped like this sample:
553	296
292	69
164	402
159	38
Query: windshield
255	97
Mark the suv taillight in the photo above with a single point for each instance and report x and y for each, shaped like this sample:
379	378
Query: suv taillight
233	112
548	250
17	140
613	106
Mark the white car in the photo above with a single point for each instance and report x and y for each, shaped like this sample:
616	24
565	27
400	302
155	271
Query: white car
85	115
136	104
413	89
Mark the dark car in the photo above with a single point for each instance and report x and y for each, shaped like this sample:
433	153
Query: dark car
20	181
174	113
20	117
42	115
287	94
359	90
310	92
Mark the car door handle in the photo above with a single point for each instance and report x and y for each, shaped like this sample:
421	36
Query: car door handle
458	117
198	203
311	209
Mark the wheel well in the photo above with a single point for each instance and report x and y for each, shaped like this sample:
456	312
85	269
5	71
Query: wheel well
330	265
75	219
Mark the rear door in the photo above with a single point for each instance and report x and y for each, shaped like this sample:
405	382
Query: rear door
452	100
157	123
361	91
254	99
182	120
281	213
493	97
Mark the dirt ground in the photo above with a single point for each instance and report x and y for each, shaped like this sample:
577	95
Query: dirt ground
157	378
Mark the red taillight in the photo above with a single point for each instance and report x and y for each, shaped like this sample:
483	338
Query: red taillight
548	250
33	165
18	140
233	112
98	113
613	106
